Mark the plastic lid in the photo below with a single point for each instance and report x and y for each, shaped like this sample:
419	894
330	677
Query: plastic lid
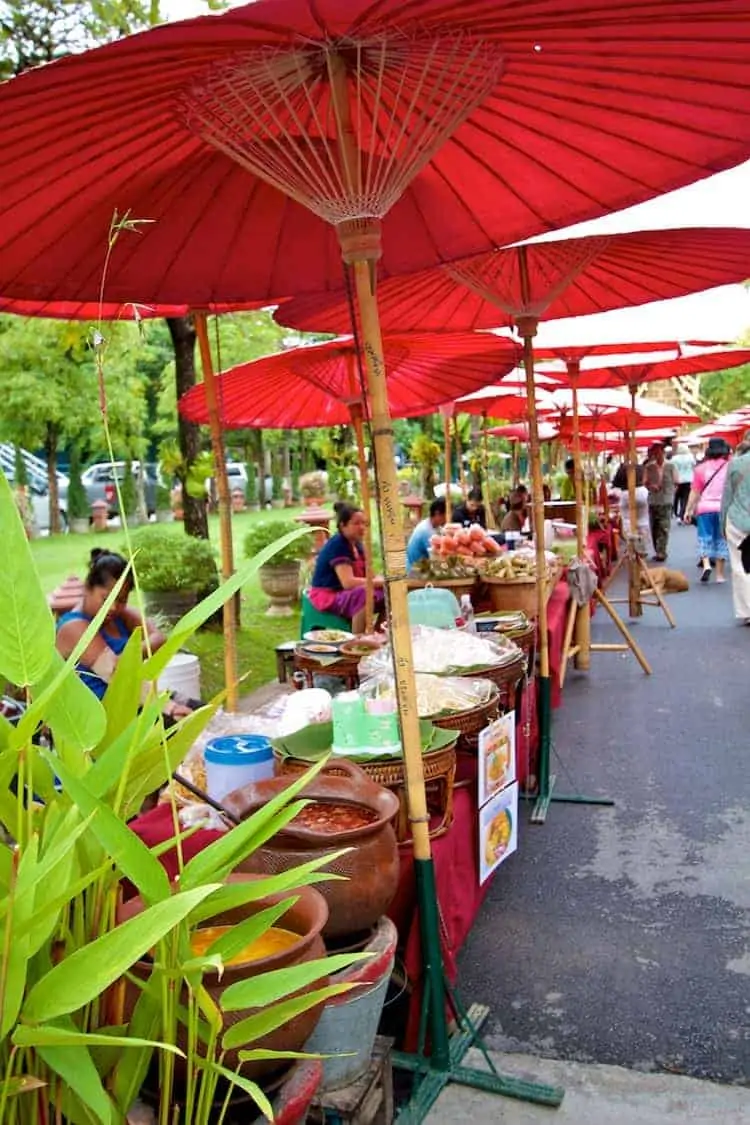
238	750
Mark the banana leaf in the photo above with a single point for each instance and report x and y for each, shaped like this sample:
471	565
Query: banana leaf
313	742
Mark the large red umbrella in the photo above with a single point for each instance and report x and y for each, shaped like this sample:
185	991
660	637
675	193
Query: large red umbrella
110	310
459	127
314	385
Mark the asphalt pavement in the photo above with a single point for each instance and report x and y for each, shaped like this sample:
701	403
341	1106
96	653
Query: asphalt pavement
622	935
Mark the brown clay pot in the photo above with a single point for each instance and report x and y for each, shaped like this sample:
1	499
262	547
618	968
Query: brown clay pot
307	917
371	867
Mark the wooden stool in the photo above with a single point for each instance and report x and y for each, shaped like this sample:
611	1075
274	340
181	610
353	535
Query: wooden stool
284	660
368	1101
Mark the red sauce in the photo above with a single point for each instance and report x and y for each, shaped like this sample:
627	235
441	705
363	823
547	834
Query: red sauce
320	816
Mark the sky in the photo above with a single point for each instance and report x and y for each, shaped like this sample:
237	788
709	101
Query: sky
719	314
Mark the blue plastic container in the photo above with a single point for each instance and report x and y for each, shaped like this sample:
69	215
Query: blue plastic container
234	760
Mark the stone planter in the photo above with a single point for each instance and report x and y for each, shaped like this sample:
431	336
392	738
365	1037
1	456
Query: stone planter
170	604
99	513
253	506
164	515
277	504
281	585
79	525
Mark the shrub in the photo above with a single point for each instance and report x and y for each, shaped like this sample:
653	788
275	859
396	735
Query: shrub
266	532
128	490
251	488
168	561
313	485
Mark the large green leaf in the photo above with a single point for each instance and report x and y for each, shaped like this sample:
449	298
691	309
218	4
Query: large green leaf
156	763
200	613
87	972
269	988
242	1083
73	712
126	850
16	960
51	1036
229	850
239	936
77	1069
27	630
130	1072
238	894
123	695
125	751
253	1028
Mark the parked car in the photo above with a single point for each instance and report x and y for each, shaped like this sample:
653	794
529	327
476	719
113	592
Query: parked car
237	478
38	494
99	482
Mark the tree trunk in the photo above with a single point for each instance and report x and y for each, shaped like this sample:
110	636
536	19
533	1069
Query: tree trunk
182	331
50	449
262	470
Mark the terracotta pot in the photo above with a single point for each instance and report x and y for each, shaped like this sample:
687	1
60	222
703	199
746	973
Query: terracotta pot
371	867
307	917
281	585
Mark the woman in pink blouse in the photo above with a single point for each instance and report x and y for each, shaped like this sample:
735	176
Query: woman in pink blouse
704	503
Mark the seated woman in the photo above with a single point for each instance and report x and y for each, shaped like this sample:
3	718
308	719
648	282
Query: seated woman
338	584
98	661
515	518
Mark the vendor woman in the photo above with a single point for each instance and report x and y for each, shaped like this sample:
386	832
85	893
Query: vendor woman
339	581
98	662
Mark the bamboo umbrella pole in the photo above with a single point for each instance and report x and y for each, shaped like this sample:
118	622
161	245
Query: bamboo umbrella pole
459	456
358	424
447	448
514	462
486	474
225	507
583	616
634	581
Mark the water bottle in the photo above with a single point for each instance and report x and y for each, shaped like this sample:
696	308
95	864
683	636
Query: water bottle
467	612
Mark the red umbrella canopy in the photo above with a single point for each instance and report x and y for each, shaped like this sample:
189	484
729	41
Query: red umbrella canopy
519	431
612	411
546	280
474	124
108	310
633	370
313	386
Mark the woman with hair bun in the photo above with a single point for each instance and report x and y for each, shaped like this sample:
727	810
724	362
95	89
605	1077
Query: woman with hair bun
339	579
97	663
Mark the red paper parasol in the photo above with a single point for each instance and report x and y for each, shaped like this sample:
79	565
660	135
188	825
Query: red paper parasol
312	386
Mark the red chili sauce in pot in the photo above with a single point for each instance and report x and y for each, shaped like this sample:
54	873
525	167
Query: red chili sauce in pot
329	818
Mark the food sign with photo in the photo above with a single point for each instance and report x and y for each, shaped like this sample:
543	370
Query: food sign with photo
498	830
497	756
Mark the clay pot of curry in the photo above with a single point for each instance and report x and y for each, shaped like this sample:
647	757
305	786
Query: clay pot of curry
347	810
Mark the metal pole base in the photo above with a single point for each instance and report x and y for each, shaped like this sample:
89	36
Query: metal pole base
542	803
430	1081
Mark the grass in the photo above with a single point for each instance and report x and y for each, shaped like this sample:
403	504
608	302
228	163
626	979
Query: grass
61	556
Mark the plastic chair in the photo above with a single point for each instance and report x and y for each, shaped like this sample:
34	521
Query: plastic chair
312	618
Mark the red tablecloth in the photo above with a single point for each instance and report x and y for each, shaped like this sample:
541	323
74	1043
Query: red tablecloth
557	615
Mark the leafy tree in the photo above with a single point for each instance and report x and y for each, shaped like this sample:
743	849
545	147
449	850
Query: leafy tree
726	390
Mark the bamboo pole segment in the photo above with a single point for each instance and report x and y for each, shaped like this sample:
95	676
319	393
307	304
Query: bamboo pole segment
635	607
359	431
447	448
514	462
395	560
225	508
583	617
527	326
486	475
459	456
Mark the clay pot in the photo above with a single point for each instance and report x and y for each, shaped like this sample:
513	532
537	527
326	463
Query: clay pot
371	867
307	917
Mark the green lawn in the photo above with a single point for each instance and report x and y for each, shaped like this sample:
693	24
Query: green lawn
59	556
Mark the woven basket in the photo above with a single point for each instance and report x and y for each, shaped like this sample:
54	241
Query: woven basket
516	593
507	677
526	641
457	586
471	721
439	775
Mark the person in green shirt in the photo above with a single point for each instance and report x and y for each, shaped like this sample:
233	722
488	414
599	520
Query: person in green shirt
568	482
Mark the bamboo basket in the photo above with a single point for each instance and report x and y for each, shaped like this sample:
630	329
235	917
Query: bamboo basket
517	593
439	776
507	677
471	721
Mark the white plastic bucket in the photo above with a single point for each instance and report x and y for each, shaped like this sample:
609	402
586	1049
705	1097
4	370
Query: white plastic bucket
234	760
182	674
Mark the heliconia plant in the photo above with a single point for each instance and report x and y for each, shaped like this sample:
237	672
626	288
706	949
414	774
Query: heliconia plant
65	802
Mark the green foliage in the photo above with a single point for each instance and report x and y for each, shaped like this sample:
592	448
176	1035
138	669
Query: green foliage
169	562
194	476
251	488
724	391
313	485
128	491
163	497
21	475
62	945
277	481
267	532
78	502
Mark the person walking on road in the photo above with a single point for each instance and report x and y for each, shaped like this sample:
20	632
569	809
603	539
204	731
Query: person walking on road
704	504
659	478
735	520
683	462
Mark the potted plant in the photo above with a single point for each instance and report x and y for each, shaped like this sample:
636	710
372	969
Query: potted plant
312	487
79	509
251	488
280	576
71	1047
174	569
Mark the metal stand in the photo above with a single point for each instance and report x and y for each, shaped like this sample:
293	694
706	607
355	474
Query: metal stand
545	795
444	1064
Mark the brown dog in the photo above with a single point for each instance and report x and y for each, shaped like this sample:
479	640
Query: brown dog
668	581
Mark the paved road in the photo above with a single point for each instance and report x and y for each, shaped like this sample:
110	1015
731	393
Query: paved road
623	935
